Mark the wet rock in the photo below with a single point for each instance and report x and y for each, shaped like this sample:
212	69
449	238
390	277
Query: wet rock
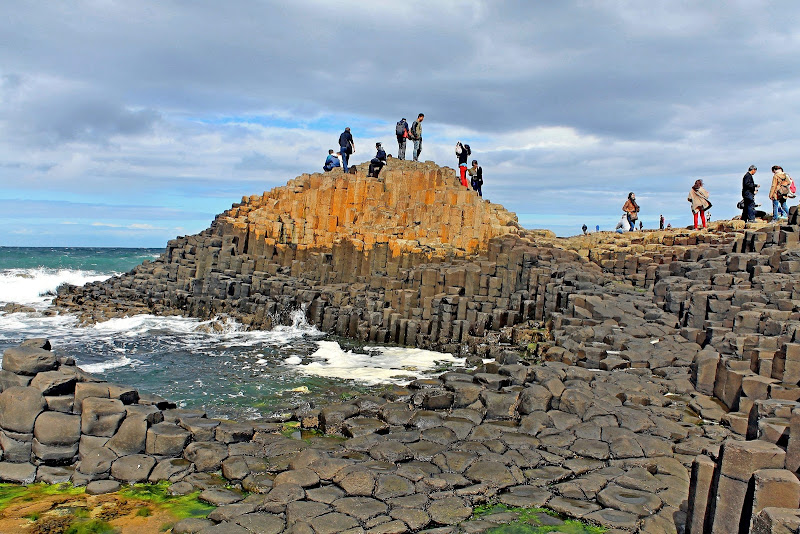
99	487
18	473
166	439
637	502
363	508
229	432
260	522
333	523
171	469
54	474
26	360
132	469
205	455
19	408
303	477
220	496
449	511
101	417
96	461
54	383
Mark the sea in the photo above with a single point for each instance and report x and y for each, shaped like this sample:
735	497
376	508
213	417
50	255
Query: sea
217	365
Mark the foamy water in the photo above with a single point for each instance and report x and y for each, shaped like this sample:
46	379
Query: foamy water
35	287
218	364
372	365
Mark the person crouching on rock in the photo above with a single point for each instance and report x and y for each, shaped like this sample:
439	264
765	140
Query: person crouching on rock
698	196
476	177
631	208
377	163
331	161
462	152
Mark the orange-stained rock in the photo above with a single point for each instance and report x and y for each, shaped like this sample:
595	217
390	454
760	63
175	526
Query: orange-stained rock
413	206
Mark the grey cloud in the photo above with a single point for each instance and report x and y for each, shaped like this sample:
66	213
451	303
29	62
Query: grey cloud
255	161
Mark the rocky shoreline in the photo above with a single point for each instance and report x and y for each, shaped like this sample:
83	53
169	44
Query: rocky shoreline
646	382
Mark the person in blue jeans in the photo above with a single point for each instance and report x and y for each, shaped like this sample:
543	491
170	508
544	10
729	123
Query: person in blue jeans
346	147
780	185
631	209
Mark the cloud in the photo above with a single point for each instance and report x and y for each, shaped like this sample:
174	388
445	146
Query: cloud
567	105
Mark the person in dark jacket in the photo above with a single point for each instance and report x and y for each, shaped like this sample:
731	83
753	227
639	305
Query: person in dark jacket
402	126
476	177
377	163
415	134
462	153
346	147
749	195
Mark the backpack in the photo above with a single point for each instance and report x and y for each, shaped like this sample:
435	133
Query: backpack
401	128
784	188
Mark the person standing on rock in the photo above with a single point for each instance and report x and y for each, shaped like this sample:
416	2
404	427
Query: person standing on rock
401	130
377	163
661	223
698	196
779	192
749	195
415	134
584	228
331	161
476	177
631	208
346	147
462	152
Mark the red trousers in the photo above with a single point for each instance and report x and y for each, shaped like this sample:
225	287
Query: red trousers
702	218
463	170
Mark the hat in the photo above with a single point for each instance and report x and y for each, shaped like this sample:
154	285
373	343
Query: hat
377	145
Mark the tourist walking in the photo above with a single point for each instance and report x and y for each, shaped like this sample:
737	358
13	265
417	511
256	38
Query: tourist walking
631	208
749	195
661	222
476	177
377	163
331	161
401	130
346	147
779	191
462	152
584	228
698	196
415	134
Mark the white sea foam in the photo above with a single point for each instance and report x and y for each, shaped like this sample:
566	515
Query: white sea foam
30	286
379	365
109	364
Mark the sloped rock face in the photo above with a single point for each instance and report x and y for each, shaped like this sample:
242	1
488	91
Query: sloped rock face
410	258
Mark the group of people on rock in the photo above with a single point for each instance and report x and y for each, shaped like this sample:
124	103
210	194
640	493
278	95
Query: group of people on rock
404	132
781	189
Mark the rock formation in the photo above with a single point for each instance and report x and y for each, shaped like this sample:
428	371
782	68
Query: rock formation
663	396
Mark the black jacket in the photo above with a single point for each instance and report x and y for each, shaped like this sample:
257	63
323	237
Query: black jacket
748	186
346	141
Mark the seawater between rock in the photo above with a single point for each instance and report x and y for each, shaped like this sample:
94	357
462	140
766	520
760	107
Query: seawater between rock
220	366
215	365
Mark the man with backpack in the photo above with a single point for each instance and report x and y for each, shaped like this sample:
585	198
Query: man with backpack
346	147
415	134
401	130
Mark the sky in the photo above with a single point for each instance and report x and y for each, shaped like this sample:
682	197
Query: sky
130	123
